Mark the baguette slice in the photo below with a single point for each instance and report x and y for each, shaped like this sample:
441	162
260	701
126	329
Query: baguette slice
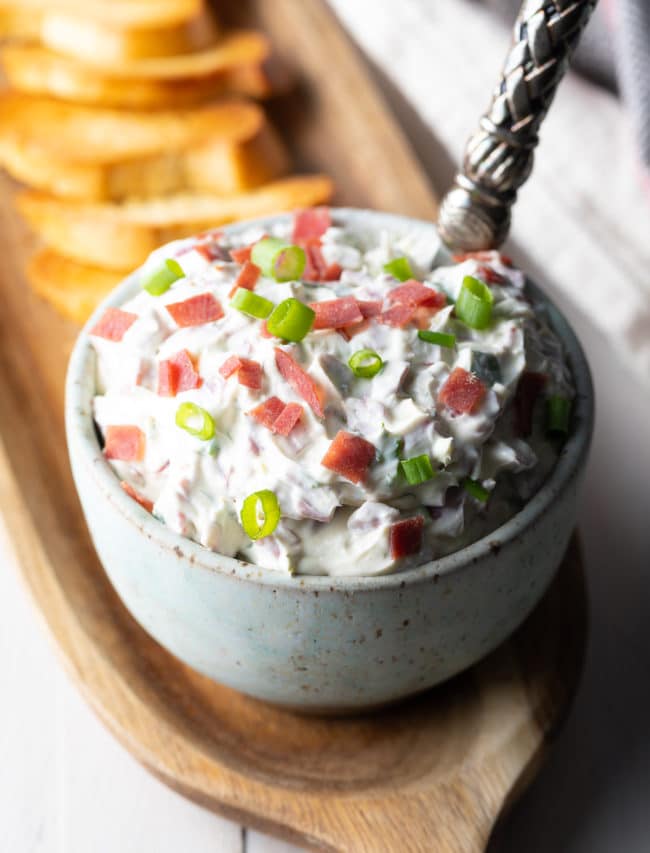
72	289
101	154
239	65
120	237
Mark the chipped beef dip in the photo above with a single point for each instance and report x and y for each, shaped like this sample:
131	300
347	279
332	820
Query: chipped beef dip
407	416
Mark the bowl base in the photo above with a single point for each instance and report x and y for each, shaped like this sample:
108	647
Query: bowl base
392	777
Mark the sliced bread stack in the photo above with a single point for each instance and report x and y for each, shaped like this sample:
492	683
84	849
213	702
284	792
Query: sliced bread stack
132	125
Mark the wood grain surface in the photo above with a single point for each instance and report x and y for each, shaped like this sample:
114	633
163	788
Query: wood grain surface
431	774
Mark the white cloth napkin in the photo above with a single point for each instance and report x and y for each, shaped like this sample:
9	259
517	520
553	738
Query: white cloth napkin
582	222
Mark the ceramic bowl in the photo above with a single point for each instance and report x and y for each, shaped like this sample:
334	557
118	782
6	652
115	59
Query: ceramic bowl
320	643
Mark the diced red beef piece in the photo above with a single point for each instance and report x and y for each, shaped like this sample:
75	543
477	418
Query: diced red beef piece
133	493
350	456
300	381
124	442
310	223
413	292
196	310
288	419
463	392
241	255
336	313
268	412
405	537
247	277
113	324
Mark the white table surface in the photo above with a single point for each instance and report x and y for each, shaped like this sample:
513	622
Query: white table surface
67	787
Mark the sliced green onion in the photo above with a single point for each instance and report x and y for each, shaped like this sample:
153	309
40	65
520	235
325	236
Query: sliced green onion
417	470
260	514
161	279
475	489
195	420
399	268
252	303
365	363
558	412
440	338
278	259
474	303
291	320
486	366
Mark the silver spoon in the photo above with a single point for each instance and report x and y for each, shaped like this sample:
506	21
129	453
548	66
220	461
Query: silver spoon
475	213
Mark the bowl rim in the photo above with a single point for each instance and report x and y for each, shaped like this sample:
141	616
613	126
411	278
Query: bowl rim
81	434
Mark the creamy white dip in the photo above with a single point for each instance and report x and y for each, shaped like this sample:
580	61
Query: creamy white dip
329	524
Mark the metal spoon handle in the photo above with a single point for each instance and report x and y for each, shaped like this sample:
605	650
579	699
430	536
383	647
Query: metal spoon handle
475	213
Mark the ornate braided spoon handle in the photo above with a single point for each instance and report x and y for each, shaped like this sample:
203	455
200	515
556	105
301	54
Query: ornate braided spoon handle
475	213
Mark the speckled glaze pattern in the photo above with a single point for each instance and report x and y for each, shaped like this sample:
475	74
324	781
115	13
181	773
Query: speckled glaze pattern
319	643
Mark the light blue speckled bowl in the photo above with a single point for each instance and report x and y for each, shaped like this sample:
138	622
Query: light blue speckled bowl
319	643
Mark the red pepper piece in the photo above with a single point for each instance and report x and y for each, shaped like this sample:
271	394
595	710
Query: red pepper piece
300	381
195	311
124	442
336	313
349	455
133	493
405	537
463	392
113	324
247	278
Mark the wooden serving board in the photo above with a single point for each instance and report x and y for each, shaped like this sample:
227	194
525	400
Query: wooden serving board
431	774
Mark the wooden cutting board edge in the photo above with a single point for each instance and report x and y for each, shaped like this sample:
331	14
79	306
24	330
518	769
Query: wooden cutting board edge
178	761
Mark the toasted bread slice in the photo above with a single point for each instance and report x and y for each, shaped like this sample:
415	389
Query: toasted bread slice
240	65
101	154
120	237
73	289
